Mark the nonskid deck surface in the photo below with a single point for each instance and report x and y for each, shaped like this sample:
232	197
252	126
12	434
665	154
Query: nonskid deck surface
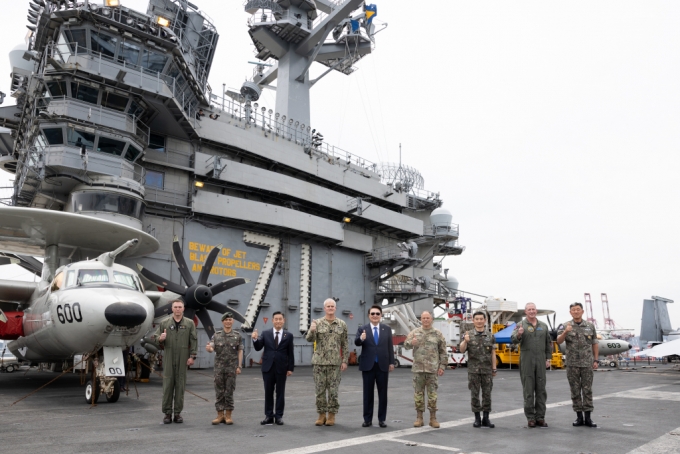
636	412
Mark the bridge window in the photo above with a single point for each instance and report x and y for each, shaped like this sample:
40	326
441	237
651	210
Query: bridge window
132	153
135	109
107	202
77	38
154	179
79	138
113	101
57	88
84	92
103	43
111	146
92	276
153	61
54	136
157	142
129	53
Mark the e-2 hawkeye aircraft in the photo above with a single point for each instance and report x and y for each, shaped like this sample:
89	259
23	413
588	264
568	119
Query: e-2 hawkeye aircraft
90	306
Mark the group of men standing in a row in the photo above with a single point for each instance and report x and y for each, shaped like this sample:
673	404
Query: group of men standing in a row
331	352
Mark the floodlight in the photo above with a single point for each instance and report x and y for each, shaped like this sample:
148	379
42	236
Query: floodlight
112	3
199	184
106	12
270	112
162	21
256	105
346	220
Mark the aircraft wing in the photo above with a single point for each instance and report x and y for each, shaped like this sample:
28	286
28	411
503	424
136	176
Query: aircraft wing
16	291
661	350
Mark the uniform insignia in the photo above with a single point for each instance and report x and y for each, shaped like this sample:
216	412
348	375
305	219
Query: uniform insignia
530	329
561	326
539	329
590	337
172	326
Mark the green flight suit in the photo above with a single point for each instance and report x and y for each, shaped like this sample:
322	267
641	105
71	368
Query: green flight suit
535	348
179	344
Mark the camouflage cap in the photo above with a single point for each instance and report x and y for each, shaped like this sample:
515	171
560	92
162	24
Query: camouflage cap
227	315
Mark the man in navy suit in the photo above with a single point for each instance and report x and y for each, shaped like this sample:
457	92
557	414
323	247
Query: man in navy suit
278	362
377	361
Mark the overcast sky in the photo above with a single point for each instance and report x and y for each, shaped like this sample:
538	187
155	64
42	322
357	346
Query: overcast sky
550	130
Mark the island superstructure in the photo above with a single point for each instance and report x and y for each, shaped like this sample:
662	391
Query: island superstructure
115	118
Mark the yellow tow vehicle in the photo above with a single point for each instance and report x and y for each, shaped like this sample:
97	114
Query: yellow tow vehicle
508	354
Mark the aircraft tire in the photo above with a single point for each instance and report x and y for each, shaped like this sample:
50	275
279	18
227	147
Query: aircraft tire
397	363
612	364
91	392
115	394
10	369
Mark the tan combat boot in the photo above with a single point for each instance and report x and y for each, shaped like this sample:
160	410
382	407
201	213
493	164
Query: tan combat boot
227	417
419	420
320	420
433	419
219	419
330	421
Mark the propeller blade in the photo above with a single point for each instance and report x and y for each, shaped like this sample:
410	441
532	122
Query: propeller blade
161	282
205	319
207	266
226	285
220	308
181	263
189	313
162	310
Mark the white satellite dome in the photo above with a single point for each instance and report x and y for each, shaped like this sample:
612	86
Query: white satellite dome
441	217
451	283
16	58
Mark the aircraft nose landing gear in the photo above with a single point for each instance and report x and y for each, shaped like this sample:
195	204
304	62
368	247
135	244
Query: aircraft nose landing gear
102	384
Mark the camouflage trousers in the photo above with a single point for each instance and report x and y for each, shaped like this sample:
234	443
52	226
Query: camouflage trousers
581	384
327	383
483	382
423	382
225	384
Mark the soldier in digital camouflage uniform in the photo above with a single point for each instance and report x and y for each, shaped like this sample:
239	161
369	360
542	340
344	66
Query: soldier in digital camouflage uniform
535	354
582	352
429	362
481	365
177	336
228	349
329	360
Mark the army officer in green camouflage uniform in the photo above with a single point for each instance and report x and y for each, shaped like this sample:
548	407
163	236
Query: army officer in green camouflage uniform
582	353
228	349
177	336
535	354
481	365
329	360
429	362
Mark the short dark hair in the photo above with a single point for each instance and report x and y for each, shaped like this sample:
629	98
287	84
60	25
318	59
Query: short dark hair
178	300
375	306
576	304
278	313
479	313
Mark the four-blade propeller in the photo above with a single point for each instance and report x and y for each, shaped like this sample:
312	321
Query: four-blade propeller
197	296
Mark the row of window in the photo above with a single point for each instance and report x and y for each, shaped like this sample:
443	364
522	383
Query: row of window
83	277
87	93
90	141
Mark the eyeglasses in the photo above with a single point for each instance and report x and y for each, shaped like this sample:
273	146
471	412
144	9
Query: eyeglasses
375	313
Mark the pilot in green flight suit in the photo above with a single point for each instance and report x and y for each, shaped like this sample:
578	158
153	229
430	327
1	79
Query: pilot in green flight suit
177	335
535	355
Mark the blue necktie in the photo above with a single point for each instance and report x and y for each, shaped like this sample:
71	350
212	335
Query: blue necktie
375	339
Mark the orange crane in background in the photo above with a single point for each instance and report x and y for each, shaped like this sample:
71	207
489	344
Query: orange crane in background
589	310
608	322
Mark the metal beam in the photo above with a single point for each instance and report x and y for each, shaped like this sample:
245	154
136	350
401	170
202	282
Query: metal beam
272	42
333	19
332	51
325	6
269	76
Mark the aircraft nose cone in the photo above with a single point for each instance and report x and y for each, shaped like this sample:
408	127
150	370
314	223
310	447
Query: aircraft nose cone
630	346
125	314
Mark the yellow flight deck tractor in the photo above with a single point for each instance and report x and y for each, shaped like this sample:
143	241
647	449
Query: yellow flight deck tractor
508	354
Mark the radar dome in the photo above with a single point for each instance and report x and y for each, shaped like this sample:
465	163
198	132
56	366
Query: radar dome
16	58
441	217
451	283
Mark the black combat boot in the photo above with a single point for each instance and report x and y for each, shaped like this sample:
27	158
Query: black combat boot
486	422
579	419
589	422
478	421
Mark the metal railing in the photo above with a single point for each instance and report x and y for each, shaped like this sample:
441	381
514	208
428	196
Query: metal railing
441	230
158	196
385	254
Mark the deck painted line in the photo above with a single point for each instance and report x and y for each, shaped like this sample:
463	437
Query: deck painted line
665	444
653	395
389	436
416	444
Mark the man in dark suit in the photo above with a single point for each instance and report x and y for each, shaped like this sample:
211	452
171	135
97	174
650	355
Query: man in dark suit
377	361
278	362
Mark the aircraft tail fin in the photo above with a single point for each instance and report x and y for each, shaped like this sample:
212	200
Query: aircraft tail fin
655	320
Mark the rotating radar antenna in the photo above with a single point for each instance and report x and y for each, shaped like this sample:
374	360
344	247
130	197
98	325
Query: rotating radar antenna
401	177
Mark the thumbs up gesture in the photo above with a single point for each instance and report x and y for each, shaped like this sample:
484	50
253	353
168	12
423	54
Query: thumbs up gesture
254	335
467	337
312	327
568	327
520	331
163	336
208	347
363	336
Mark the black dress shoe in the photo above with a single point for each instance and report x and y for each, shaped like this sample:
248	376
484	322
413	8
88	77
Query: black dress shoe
366	424
382	424
279	421
267	421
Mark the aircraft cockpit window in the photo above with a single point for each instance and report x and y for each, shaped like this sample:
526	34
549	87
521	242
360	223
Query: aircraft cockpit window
92	276
58	282
70	279
125	279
